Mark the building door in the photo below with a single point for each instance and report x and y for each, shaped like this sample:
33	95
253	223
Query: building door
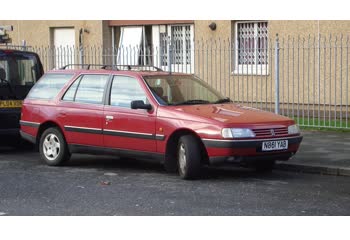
64	44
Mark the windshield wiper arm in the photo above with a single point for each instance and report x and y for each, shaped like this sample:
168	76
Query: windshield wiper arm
223	100
193	101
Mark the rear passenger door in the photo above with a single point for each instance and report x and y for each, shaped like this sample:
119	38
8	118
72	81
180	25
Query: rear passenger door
81	110
125	128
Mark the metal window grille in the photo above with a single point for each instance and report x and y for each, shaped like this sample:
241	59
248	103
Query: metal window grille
177	37
163	49
252	45
188	44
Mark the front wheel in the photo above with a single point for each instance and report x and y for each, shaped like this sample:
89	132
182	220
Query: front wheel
189	157
53	147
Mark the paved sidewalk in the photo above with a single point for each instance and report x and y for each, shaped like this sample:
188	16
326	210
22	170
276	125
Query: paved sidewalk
321	152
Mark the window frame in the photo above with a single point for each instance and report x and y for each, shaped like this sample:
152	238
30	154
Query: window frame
250	69
110	87
79	78
72	75
169	40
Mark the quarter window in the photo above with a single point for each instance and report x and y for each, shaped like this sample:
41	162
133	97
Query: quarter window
70	94
49	86
91	89
125	90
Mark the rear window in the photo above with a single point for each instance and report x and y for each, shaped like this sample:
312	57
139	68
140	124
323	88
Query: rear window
49	86
20	68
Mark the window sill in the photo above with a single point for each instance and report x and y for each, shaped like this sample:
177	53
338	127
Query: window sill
249	73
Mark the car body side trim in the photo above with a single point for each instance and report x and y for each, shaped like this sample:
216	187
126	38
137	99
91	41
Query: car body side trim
29	124
83	129
160	137
111	132
133	134
28	137
127	132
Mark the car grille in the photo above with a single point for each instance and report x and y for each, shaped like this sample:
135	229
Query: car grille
271	132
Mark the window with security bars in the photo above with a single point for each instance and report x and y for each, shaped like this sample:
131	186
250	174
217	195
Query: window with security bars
251	48
164	49
181	39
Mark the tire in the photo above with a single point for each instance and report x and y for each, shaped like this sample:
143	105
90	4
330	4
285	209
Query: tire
264	166
53	147
189	157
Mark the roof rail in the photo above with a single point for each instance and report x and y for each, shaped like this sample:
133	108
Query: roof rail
116	67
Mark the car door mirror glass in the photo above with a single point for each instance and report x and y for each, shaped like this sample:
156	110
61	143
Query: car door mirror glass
139	104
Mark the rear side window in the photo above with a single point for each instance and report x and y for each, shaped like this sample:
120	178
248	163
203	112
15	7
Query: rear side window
49	86
91	89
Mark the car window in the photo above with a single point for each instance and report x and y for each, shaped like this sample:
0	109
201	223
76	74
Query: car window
182	89
91	89
49	86
22	68
70	94
125	90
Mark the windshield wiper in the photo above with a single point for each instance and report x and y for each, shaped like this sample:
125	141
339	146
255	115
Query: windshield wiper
192	101
223	100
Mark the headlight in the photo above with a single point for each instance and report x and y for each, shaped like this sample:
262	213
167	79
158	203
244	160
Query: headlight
237	133
293	129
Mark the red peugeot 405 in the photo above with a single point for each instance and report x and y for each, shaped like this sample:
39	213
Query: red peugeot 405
176	119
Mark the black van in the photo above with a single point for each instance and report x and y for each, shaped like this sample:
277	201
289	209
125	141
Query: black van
19	71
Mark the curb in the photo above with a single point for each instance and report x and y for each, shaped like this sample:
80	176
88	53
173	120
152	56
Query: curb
318	169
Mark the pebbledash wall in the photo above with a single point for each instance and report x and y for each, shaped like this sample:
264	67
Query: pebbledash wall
298	38
313	57
39	32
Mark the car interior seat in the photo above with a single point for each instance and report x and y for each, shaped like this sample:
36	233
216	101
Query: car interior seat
159	92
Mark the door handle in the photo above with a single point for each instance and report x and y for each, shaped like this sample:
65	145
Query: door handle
109	118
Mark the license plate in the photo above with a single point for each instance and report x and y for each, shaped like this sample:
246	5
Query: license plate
275	145
11	104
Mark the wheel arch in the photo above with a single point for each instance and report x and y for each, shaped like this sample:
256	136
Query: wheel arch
171	147
46	125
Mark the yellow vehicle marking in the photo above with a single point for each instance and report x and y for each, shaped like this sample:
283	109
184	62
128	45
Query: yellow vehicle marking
11	104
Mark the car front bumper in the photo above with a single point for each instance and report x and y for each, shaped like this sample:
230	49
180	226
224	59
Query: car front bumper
248	150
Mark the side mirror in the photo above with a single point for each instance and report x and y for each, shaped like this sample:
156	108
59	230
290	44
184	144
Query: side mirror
139	104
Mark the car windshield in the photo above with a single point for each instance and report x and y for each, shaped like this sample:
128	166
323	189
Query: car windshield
183	90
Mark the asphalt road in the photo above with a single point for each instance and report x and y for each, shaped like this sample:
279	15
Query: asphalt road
95	185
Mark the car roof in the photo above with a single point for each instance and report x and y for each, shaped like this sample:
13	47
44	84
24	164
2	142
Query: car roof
118	72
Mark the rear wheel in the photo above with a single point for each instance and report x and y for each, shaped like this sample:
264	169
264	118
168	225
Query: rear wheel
53	147
189	157
264	166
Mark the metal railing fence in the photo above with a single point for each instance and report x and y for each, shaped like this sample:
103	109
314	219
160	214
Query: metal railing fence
305	78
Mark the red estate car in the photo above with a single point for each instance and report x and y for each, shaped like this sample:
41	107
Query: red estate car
176	119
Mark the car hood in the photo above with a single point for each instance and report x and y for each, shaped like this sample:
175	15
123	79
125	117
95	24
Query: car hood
227	114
